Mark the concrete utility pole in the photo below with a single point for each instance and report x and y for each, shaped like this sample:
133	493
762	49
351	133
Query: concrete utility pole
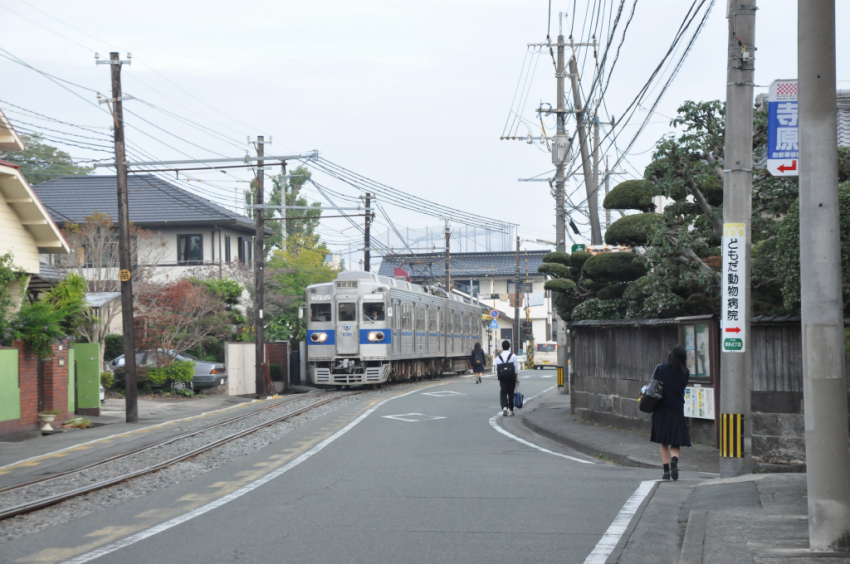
367	239
259	282
516	301
125	259
607	211
448	258
736	365
596	168
560	164
589	178
824	383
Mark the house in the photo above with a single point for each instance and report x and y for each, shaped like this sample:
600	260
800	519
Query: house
27	229
491	277
194	232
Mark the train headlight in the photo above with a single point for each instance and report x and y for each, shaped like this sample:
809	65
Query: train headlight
376	336
319	337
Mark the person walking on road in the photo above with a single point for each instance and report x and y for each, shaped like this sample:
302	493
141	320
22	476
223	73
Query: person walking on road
478	360
669	426
507	367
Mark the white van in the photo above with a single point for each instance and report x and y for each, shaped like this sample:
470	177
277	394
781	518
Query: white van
545	354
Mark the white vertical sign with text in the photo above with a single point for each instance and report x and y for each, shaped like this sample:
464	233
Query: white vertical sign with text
733	296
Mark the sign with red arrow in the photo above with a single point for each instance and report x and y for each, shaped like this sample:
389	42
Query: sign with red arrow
733	288
783	136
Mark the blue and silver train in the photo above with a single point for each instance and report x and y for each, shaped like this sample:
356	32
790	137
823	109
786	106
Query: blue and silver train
363	328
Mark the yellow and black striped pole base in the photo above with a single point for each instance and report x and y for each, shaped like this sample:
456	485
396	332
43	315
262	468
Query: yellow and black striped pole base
560	377
732	435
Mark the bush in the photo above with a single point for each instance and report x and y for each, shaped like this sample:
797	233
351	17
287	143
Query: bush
177	371
633	230
554	269
113	346
578	259
107	379
661	305
276	372
612	292
39	326
614	267
631	195
560	285
600	309
558	258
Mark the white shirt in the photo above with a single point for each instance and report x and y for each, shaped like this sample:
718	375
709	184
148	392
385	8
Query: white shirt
503	358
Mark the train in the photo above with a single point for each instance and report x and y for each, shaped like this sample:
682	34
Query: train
367	329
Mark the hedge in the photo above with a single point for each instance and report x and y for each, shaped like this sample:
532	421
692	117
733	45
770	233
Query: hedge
614	267
633	230
554	269
560	285
631	195
600	309
558	258
612	292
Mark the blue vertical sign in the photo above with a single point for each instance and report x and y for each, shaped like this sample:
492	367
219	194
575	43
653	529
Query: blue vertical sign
783	137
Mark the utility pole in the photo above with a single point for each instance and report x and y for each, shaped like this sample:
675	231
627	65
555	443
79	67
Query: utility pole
516	302
367	239
561	140
259	282
125	260
607	211
596	167
589	178
735	359
824	384
448	258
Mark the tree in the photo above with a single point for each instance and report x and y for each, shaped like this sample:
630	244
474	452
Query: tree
40	162
176	316
94	258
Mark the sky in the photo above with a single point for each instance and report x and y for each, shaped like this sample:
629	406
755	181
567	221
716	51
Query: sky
412	95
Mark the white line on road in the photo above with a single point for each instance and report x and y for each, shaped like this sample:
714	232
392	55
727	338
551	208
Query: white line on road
612	536
133	539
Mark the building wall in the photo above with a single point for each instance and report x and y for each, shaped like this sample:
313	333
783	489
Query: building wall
16	239
241	362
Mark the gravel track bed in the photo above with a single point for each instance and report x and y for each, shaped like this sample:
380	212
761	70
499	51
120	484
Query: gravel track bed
183	471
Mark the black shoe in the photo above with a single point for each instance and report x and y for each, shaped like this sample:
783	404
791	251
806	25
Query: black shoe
674	469
666	475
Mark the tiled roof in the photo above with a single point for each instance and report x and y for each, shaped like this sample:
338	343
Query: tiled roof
477	265
153	202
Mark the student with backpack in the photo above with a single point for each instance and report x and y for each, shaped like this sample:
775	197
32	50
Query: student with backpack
507	369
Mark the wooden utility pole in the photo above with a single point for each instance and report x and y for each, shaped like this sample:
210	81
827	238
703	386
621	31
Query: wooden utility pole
259	282
125	259
824	382
367	239
516	302
448	258
589	178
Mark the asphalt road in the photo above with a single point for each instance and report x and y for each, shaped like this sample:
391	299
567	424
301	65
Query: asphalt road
414	476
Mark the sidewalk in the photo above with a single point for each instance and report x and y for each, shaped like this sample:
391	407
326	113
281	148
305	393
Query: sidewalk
551	418
158	420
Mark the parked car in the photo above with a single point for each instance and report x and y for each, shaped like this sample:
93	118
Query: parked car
207	373
546	354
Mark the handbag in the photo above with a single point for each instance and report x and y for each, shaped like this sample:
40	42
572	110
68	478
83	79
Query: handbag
651	394
518	398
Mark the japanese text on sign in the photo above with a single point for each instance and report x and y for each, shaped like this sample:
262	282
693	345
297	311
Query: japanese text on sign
783	137
733	300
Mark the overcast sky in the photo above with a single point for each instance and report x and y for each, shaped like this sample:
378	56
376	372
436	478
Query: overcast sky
414	95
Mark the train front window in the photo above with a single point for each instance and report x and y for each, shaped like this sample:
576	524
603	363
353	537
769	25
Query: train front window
320	312
373	312
348	312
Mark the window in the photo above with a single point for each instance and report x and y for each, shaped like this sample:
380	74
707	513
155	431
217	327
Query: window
471	287
190	249
212	246
546	347
348	312
524	287
244	250
507	334
227	248
373	312
320	312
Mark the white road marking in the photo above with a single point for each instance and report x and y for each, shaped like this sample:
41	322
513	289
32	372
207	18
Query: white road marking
412	417
609	540
133	539
443	394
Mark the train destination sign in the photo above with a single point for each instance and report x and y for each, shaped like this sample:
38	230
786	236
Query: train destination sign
733	299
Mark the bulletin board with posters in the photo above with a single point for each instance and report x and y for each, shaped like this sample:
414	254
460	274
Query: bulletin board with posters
699	335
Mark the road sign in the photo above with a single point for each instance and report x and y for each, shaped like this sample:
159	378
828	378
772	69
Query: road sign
733	300
124	275
494	314
783	138
578	248
494	325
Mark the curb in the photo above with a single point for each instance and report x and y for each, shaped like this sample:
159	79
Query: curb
694	538
590	450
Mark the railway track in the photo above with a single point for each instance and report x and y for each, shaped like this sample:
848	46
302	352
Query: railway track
47	501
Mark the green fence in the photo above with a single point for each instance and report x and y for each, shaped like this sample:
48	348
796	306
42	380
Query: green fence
87	374
72	382
10	393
